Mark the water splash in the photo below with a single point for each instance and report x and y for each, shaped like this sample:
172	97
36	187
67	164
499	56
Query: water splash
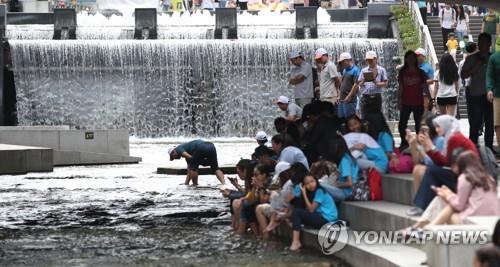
155	89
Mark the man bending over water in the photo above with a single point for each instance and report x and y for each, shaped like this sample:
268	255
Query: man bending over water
196	153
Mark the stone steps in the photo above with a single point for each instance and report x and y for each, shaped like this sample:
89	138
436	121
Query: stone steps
362	254
397	188
475	24
375	215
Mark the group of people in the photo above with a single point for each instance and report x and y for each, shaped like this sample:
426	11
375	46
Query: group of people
456	30
275	5
332	134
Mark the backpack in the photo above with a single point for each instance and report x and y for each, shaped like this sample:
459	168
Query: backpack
404	165
489	161
453	15
375	183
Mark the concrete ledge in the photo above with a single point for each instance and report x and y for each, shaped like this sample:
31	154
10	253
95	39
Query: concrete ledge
73	147
94	141
375	215
451	255
348	15
35	128
68	158
22	159
363	254
397	188
201	171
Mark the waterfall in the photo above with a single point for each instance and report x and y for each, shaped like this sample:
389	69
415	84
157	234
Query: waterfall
162	88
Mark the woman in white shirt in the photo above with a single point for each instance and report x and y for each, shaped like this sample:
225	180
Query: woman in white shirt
446	85
462	29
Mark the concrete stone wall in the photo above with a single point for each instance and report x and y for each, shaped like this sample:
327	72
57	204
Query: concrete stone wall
103	141
22	159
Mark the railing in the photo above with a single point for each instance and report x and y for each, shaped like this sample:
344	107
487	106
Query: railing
424	34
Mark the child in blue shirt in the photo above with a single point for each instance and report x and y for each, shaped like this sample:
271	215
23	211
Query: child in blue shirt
319	208
348	168
374	155
379	130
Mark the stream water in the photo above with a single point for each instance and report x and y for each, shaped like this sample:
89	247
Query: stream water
127	215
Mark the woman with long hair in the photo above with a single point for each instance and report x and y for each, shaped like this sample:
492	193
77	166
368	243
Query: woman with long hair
260	179
366	150
439	173
446	85
318	210
245	169
412	83
341	188
476	194
462	29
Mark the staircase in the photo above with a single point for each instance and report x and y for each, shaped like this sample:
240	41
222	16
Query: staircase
475	23
389	214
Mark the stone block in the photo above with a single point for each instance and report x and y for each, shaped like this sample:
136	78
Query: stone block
65	158
382	215
118	142
13	161
398	188
84	141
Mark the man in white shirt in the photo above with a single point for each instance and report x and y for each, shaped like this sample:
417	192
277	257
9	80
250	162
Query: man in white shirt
448	21
329	82
291	111
301	79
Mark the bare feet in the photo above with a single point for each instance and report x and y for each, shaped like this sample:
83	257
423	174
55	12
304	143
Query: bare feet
295	246
271	226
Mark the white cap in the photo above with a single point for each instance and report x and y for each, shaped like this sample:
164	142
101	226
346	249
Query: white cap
344	56
421	51
280	168
261	136
320	52
294	54
283	100
371	55
170	149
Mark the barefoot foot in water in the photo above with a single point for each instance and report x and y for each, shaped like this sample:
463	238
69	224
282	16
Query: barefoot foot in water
271	226
295	246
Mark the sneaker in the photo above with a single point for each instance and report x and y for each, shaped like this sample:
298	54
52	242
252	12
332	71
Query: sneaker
415	211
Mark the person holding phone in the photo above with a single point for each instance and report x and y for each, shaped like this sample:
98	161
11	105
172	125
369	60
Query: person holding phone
371	82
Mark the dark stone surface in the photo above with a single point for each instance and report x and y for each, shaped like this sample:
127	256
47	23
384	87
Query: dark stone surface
226	18
146	19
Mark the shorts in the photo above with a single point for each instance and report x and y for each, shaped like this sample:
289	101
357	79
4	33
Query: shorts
302	102
496	111
205	155
267	209
443	101
248	211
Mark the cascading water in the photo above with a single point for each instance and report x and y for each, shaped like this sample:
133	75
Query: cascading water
155	88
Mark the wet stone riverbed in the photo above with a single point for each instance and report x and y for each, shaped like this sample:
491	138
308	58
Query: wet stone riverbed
127	215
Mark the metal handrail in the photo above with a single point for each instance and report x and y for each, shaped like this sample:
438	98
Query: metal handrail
424	34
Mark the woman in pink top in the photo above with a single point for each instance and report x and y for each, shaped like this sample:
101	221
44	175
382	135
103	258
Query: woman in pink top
476	192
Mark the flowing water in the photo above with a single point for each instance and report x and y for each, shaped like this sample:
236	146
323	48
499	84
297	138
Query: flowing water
190	85
127	215
155	88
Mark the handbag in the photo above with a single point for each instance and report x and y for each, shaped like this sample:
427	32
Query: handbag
404	164
360	190
375	184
